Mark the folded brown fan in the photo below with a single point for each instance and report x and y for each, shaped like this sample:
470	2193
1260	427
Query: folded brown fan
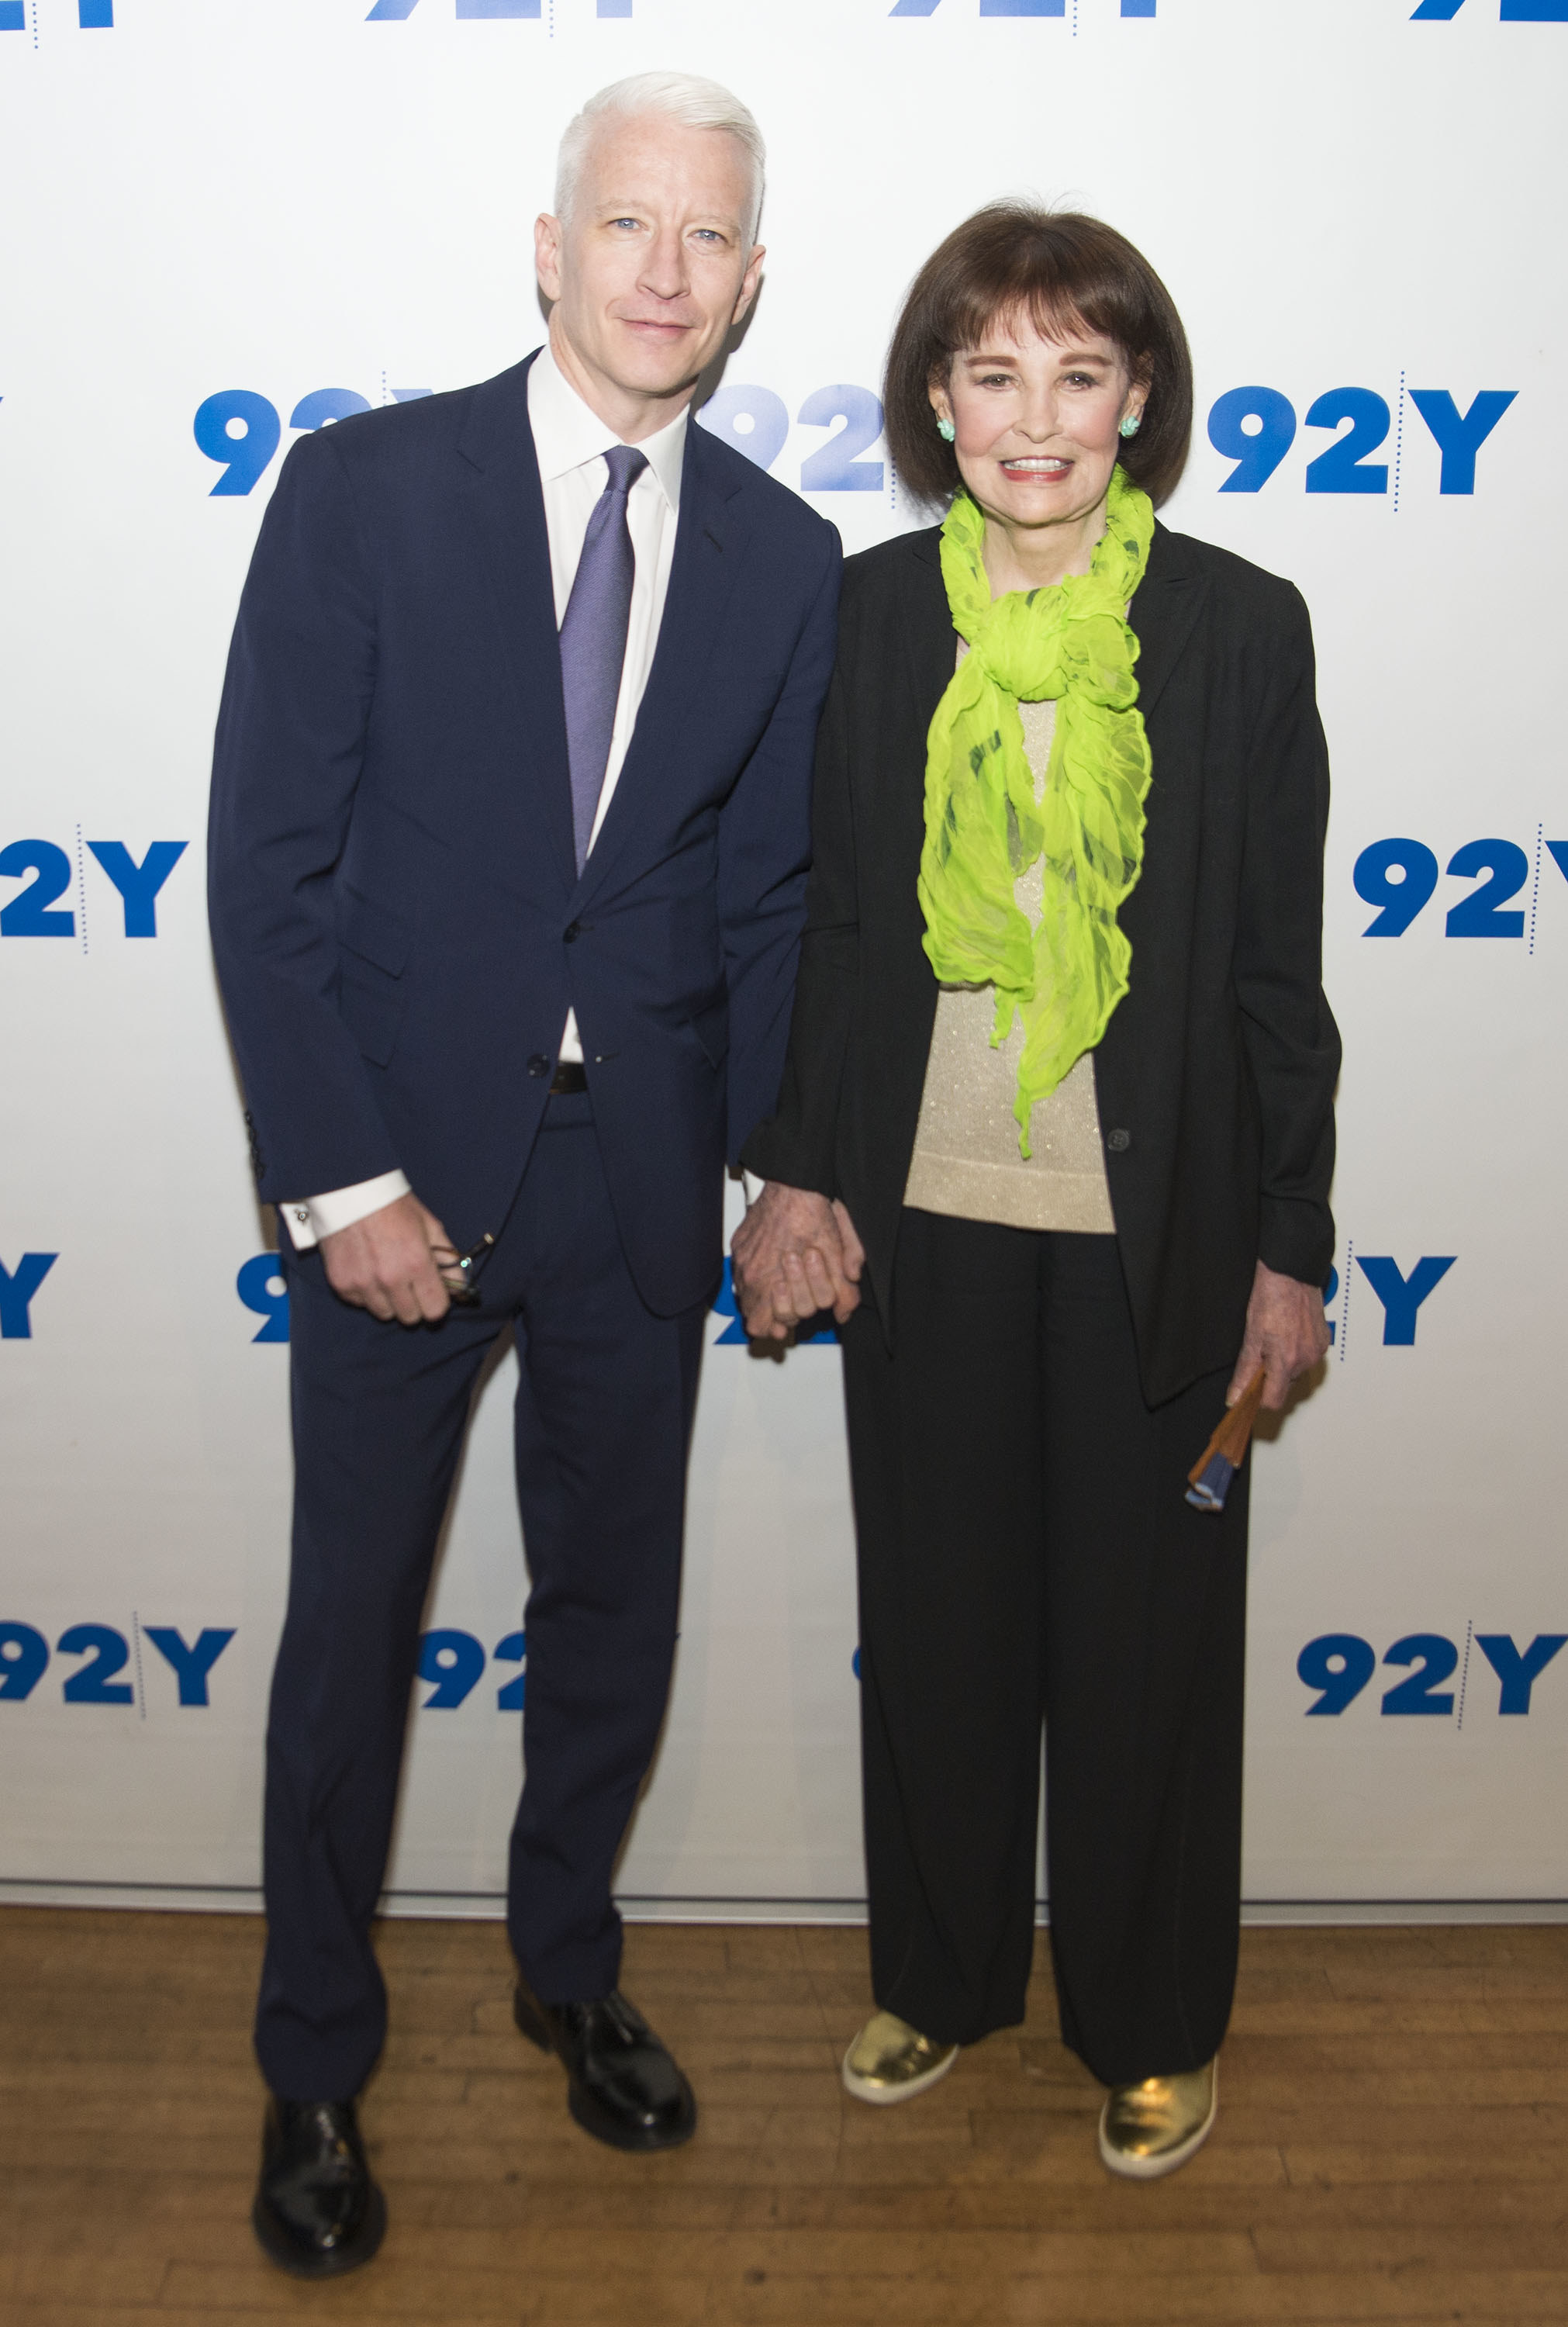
1208	1480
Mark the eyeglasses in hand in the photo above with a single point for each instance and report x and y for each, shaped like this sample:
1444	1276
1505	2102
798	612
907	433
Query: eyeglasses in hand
459	1271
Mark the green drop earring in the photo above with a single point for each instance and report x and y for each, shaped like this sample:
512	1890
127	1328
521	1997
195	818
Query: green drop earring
1132	423
946	431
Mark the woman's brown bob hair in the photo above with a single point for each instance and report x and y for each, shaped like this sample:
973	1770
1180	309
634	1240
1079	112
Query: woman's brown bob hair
1060	269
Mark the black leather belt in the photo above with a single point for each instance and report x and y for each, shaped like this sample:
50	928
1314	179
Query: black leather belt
570	1076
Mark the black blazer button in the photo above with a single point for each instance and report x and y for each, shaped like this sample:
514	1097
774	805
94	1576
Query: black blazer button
539	1065
1118	1142
573	932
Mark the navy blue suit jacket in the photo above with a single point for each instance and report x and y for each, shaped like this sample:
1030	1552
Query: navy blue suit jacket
399	923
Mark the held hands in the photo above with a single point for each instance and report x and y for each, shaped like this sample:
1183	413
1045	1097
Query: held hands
795	1254
1286	1333
386	1264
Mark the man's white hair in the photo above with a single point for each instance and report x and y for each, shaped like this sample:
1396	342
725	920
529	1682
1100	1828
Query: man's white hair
685	97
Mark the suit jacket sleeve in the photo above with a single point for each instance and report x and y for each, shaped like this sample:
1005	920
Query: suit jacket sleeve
290	746
798	1145
1288	1031
764	850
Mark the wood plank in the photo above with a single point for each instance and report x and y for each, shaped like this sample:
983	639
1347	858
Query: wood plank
1390	2145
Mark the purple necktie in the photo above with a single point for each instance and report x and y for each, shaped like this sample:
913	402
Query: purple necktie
593	639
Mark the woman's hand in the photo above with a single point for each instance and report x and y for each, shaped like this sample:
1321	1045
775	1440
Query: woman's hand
1286	1331
795	1255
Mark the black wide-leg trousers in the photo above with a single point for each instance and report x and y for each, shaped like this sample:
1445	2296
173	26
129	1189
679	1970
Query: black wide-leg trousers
604	1404
1027	1555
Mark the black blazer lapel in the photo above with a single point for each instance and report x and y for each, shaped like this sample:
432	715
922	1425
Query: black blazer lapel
707	540
929	647
930	642
506	506
1167	603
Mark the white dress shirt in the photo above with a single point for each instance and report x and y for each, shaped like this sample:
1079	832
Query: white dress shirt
571	443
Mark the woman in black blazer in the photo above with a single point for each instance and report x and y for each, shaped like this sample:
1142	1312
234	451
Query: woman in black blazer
1037	1345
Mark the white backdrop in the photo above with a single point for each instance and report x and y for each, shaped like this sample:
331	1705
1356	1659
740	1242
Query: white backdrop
216	208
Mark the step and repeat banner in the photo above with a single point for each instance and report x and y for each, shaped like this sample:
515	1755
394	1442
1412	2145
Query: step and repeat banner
231	220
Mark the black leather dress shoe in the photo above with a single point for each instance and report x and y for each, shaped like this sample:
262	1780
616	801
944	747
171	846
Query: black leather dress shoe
624	2087
317	2212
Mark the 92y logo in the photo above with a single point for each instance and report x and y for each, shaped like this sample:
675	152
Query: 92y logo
1399	878
91	15
24	1658
1512	11
263	1290
33	912
455	1662
1339	1666
1018	7
397	12
17	1287
241	430
1400	1293
1256	427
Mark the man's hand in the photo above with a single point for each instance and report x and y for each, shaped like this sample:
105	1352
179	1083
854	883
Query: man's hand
795	1254
384	1263
1286	1333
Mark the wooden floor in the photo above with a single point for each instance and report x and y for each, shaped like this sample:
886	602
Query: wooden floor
1393	2145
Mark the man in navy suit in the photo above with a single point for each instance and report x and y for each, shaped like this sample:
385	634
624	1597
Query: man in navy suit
509	843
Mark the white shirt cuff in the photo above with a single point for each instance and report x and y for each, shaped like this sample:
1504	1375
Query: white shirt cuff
339	1208
754	1186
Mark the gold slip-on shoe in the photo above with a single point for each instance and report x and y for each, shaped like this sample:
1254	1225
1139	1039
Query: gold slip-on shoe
890	2062
1151	2128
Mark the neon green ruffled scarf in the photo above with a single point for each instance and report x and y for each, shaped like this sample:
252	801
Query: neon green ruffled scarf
984	826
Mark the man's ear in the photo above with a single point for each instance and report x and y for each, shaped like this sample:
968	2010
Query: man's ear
748	283
548	240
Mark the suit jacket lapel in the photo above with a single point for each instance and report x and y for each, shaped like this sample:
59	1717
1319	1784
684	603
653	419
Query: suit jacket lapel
707	539
507	508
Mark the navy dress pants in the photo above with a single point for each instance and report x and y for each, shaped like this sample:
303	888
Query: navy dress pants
604	1419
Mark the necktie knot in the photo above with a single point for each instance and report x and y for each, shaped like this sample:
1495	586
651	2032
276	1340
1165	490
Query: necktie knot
625	465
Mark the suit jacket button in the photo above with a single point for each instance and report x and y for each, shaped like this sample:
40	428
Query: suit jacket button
539	1065
1118	1142
573	932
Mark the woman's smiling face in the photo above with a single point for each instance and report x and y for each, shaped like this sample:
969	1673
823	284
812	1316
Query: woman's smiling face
1036	421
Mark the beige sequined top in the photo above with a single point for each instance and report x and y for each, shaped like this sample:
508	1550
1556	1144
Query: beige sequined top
967	1159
